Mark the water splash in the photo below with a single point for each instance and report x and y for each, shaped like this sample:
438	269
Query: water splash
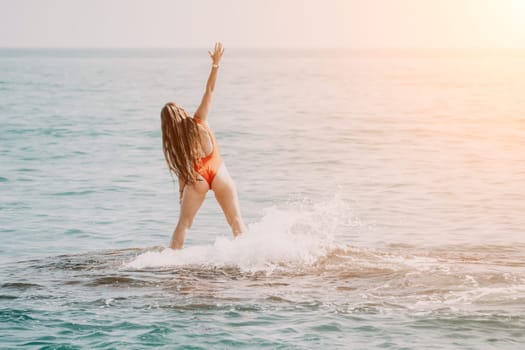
294	235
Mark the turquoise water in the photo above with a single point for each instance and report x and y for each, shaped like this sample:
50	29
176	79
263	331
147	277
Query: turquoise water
384	193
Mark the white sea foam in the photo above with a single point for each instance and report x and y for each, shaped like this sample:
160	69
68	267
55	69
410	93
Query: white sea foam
297	234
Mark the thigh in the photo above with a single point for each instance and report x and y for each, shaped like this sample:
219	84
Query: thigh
192	199
225	192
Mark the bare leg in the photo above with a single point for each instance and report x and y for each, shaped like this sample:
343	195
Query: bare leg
192	199
226	195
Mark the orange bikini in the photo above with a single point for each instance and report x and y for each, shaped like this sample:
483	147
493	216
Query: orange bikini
208	166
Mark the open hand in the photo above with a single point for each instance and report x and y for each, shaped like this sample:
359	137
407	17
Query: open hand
216	55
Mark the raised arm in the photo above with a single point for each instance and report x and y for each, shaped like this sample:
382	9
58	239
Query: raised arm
204	107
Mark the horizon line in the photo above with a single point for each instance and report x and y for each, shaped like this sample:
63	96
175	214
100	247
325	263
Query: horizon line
263	48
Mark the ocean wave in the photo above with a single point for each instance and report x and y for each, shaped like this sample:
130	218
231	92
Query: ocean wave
291	237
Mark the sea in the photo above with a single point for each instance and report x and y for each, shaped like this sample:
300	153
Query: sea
383	191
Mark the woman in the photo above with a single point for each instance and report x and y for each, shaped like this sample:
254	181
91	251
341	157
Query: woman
192	153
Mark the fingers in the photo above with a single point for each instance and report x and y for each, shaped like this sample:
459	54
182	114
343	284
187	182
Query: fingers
218	50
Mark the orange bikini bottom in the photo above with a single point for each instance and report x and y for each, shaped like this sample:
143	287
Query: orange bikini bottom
208	167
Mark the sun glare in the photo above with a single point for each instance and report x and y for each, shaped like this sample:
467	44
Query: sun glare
516	10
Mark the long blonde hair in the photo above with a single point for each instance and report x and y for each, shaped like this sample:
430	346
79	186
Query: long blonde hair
181	143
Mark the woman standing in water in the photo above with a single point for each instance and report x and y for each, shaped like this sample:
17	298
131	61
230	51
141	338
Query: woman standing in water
192	153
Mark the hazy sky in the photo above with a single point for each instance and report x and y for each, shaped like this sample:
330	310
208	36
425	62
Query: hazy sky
262	23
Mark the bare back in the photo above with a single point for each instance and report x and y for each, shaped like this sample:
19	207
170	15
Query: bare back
206	141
